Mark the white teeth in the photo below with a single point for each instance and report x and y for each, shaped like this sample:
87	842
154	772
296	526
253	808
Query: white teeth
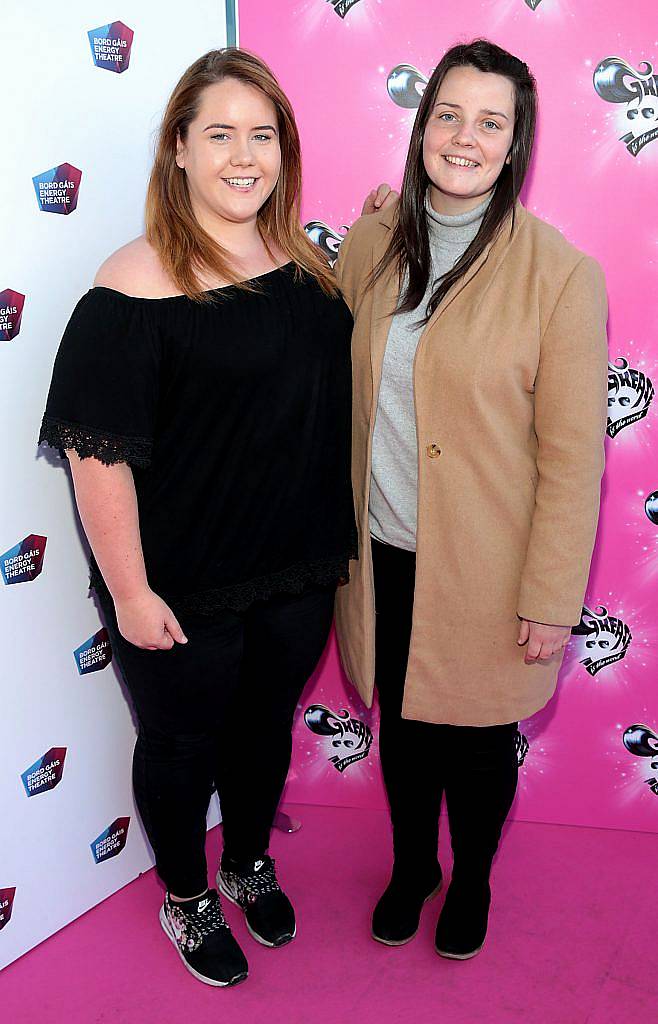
242	182
460	161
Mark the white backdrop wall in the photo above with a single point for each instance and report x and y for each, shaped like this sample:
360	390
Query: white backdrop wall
67	730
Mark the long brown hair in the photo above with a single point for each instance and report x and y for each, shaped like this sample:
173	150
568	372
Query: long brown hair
409	247
186	251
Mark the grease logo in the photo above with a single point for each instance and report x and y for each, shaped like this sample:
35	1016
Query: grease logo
11	311
46	773
643	742
651	507
522	747
111	842
607	639
57	189
111	45
406	85
630	393
616	81
348	739
6	905
94	654
24	562
326	238
342	7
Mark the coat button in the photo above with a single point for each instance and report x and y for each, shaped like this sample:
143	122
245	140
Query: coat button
433	450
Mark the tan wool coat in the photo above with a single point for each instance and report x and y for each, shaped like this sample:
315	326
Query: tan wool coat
510	380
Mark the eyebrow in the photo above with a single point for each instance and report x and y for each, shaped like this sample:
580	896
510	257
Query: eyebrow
231	127
456	106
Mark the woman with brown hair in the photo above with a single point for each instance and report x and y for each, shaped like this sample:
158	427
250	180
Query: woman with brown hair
202	393
480	364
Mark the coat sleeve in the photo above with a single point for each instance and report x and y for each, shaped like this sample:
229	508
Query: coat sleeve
570	422
355	259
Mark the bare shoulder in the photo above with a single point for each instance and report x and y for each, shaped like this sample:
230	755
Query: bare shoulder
135	269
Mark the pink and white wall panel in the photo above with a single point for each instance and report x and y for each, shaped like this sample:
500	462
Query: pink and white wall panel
334	59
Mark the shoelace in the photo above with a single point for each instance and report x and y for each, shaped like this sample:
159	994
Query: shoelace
250	887
197	925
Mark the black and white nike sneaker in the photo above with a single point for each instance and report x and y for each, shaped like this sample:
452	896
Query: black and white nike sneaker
204	940
253	887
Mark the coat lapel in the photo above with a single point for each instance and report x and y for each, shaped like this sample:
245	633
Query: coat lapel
486	266
386	291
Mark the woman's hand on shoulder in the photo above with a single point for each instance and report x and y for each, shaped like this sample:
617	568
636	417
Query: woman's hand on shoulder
146	621
134	270
379	199
542	640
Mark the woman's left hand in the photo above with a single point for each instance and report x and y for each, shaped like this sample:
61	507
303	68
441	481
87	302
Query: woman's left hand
543	640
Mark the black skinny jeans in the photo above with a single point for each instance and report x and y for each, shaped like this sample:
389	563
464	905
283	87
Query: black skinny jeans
217	712
475	766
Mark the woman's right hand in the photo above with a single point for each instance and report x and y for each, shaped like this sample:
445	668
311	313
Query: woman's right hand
147	622
379	199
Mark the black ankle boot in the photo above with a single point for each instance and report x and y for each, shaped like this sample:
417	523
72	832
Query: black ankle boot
396	917
462	925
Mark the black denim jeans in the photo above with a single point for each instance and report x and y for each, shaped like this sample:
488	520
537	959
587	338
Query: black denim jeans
475	766
217	713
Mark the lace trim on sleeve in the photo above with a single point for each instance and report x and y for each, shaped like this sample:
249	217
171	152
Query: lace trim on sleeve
293	580
89	443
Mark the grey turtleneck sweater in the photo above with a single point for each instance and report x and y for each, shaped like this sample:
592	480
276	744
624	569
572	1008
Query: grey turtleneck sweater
394	480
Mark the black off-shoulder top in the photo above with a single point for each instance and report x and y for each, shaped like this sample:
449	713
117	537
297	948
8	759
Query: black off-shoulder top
235	416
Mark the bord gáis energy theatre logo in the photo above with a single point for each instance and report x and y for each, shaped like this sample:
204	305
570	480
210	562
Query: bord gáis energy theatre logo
24	562
111	45
45	773
57	189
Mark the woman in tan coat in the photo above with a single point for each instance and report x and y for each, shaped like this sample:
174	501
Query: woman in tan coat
480	362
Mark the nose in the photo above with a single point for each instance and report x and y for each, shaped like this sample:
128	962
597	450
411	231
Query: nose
241	155
464	135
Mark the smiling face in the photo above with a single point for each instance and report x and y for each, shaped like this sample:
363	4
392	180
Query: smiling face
231	154
467	138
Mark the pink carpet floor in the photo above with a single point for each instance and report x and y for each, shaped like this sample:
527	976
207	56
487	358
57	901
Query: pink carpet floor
572	940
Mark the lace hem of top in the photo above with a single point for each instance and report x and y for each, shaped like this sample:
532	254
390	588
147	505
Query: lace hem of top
90	443
293	580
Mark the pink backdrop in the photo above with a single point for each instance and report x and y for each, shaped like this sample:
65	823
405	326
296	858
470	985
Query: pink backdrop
586	182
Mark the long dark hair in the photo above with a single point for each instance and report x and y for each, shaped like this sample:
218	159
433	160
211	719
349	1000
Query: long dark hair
409	247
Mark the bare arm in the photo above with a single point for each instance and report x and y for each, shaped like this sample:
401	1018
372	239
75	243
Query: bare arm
107	504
